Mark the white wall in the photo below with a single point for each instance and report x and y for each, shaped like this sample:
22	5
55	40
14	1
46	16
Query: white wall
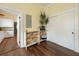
60	28
6	22
7	26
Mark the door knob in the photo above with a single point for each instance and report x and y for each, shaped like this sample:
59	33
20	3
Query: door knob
73	33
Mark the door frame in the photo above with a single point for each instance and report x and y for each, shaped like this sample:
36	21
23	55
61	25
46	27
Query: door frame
21	38
76	28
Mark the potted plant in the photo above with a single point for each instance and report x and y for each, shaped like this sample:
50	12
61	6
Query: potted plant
43	21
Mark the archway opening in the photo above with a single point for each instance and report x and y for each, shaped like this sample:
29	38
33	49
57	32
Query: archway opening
10	27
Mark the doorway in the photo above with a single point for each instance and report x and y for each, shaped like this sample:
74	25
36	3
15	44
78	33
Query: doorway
17	40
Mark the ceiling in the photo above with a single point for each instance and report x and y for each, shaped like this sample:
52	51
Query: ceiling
38	4
42	4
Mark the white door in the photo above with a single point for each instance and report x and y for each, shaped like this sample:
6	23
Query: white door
61	29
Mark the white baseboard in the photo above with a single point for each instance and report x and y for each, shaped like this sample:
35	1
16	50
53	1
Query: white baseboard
77	51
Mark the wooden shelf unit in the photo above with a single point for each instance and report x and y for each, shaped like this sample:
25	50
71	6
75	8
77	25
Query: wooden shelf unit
34	37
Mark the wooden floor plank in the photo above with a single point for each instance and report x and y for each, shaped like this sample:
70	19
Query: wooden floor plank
9	47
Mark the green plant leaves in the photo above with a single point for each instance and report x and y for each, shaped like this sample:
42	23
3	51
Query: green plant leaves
43	19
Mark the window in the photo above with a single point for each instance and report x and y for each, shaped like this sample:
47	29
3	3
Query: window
28	21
